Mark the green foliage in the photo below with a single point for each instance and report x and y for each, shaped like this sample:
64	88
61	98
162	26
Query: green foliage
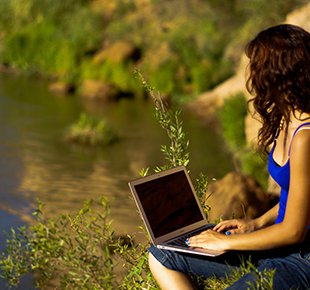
80	251
176	153
48	37
90	131
164	77
28	49
253	164
74	251
135	262
232	116
185	53
117	74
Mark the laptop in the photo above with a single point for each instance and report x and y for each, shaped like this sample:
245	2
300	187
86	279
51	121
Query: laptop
170	210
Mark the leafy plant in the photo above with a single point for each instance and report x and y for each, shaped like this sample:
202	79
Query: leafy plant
74	251
176	153
134	259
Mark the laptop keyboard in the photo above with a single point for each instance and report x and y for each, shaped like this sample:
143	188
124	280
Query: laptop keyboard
180	241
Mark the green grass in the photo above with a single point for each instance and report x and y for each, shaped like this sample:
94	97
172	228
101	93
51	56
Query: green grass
90	131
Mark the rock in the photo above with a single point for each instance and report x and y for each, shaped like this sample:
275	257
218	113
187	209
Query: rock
117	52
237	196
61	88
207	104
96	89
300	17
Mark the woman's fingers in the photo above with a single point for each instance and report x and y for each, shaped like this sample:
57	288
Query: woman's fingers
224	225
208	239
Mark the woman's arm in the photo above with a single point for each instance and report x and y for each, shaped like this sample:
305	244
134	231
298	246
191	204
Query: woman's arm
297	217
268	218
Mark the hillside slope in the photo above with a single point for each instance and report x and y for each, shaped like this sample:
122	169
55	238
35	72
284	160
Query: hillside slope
207	104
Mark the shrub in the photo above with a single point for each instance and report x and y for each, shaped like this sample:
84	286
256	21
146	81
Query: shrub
31	49
49	37
118	74
90	131
232	116
75	250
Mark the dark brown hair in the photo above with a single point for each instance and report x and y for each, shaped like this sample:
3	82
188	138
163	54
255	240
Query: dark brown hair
279	77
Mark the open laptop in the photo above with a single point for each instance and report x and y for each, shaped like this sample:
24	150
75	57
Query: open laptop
171	210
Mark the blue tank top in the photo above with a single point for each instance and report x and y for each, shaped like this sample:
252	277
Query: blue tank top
281	175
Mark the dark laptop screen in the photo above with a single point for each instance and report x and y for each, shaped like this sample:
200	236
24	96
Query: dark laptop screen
169	203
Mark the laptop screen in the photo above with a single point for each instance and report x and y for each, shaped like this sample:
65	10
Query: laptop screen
169	203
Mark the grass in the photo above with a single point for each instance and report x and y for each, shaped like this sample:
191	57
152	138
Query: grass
90	131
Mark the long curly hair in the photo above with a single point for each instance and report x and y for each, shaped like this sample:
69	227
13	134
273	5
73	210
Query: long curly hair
279	77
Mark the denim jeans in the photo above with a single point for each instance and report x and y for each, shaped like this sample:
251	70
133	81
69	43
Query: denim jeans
291	265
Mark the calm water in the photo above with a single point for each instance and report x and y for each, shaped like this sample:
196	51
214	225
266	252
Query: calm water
35	162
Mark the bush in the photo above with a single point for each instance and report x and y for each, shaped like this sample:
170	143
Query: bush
55	37
90	131
31	49
117	74
232	116
49	37
75	251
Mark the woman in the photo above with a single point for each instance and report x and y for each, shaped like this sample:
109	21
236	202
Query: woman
279	80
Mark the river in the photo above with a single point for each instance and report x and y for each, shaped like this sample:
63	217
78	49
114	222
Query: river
36	162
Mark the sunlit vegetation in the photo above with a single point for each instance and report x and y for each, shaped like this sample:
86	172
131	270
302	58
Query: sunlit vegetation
183	53
80	251
90	131
232	120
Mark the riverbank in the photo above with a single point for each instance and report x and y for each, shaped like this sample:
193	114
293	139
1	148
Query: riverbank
92	48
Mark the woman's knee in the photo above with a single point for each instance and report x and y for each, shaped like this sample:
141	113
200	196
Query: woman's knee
152	262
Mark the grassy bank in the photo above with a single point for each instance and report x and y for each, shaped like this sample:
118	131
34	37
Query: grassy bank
182	53
247	160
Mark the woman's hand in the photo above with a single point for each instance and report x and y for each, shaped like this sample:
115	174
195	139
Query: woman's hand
236	226
210	240
215	239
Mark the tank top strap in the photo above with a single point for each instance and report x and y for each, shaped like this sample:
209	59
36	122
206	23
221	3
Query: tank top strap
300	127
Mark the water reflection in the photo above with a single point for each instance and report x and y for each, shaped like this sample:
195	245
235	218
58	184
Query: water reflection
35	161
